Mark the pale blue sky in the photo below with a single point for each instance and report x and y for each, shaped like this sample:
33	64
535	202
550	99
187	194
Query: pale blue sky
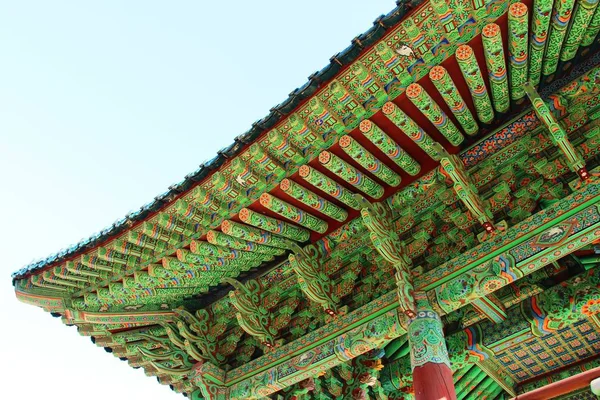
103	105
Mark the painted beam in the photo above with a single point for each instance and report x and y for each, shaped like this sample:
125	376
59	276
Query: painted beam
411	129
247	232
350	174
518	20
221	239
328	185
561	15
368	161
540	25
293	213
491	307
423	101
340	341
584	11
496	66
591	33
523	243
274	225
314	201
557	133
452	97
472	74
564	386
388	146
518	252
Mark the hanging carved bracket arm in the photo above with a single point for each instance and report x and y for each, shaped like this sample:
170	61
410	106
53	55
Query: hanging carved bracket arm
557	133
453	168
378	218
259	312
202	332
315	280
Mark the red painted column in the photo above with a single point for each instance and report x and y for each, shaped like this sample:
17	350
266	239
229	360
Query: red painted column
433	381
432	376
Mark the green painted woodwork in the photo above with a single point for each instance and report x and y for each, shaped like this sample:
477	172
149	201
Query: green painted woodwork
157	232
255	235
518	19
318	285
540	25
273	225
174	224
388	146
350	174
328	185
266	166
592	30
584	11
538	383
426	335
496	66
222	239
466	191
142	240
446	87
366	87
557	134
369	161
256	312
377	218
293	213
206	249
128	248
312	200
561	15
246	177
472	74
284	148
228	190
313	326
337	100
423	101
411	129
207	201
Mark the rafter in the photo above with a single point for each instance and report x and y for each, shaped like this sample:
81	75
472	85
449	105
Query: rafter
584	11
328	185
496	66
313	200
561	15
472	74
447	88
423	101
540	25
273	225
518	22
411	129
368	161
293	213
350	174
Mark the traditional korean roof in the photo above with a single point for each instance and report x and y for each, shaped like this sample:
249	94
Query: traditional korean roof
336	63
472	132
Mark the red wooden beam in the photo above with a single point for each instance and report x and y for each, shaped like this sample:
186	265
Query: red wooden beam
564	386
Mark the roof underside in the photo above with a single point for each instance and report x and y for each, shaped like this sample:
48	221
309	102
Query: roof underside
367	126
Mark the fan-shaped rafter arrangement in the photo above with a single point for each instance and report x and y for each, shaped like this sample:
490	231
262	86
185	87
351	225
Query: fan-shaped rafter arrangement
432	192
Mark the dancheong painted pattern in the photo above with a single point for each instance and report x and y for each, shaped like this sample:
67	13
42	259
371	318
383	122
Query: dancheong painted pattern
420	220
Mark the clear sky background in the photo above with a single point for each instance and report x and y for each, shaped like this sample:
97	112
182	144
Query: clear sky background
103	105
